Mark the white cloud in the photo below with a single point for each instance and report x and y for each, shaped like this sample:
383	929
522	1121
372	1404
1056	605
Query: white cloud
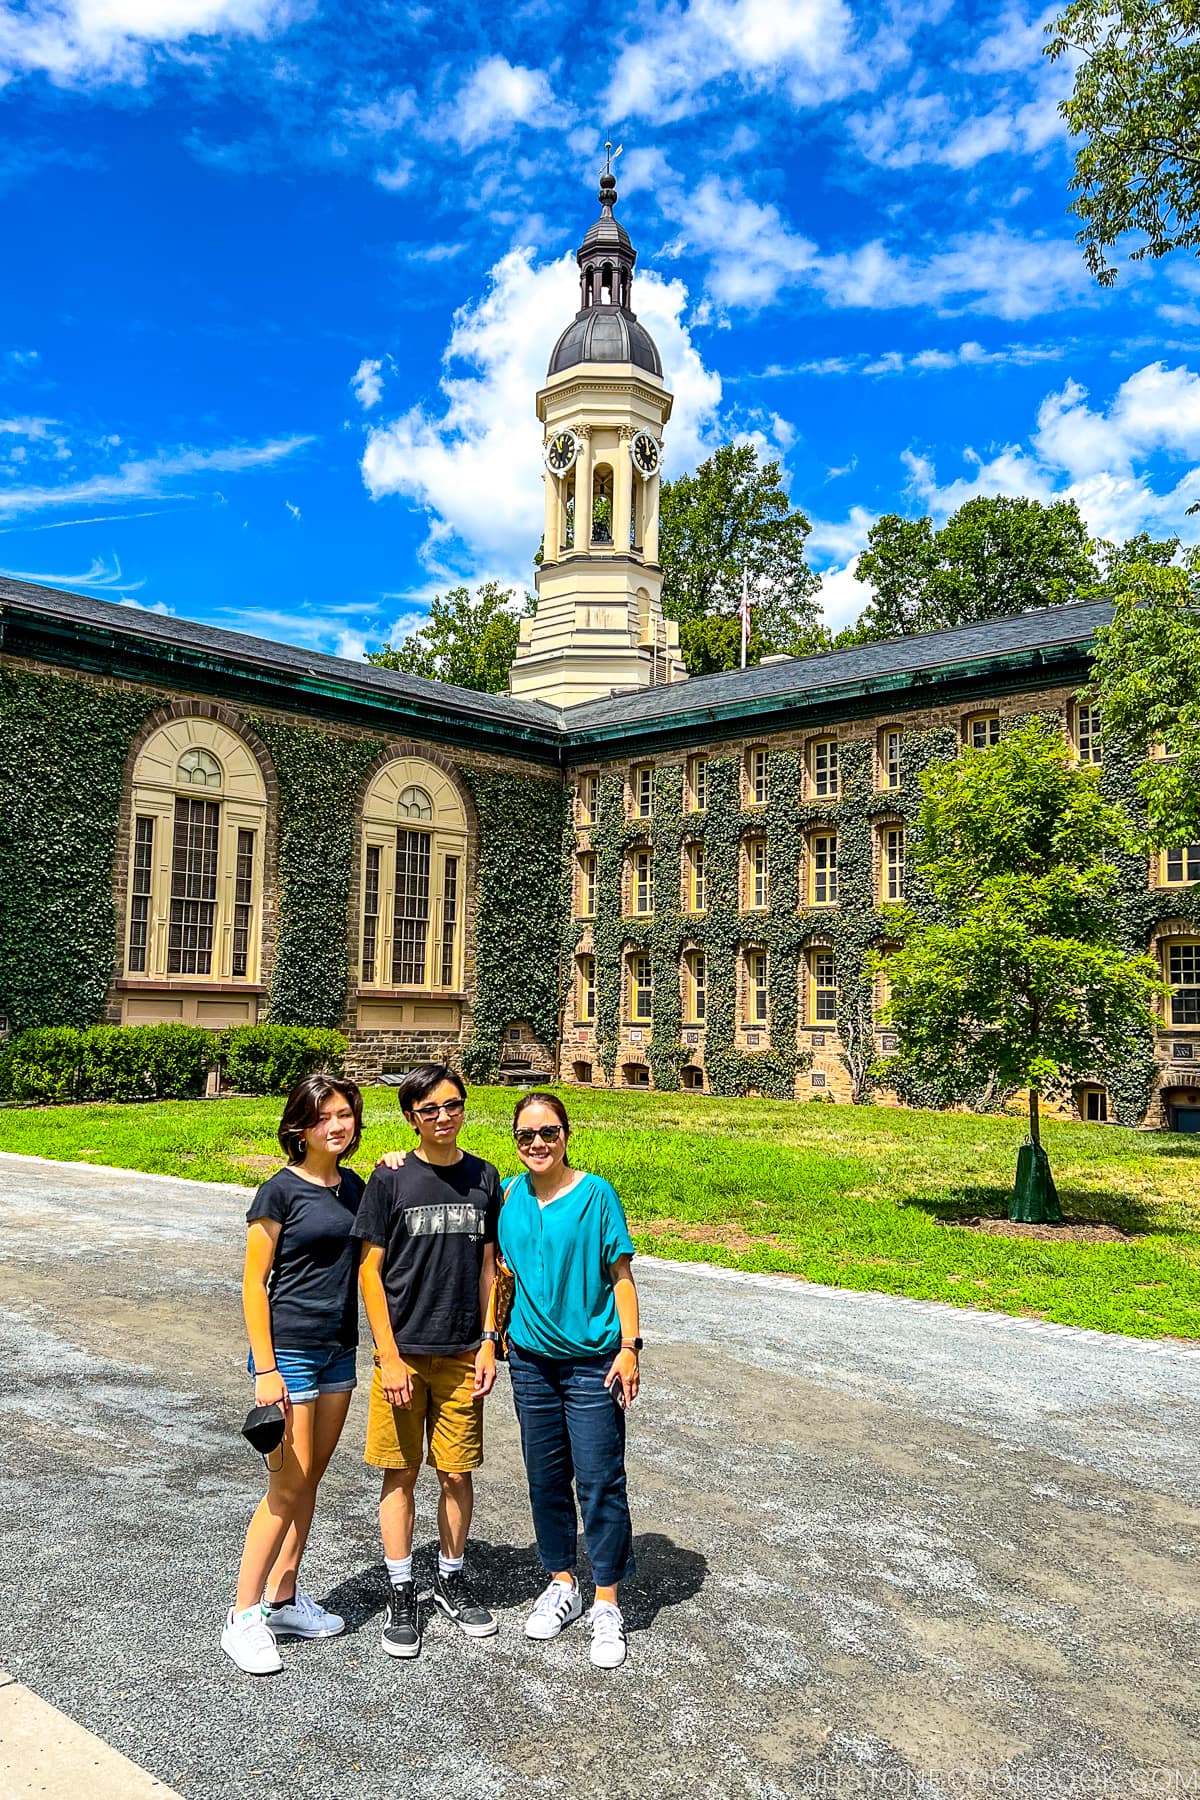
752	253
967	355
293	509
99	574
148	477
114	40
474	465
498	95
367	382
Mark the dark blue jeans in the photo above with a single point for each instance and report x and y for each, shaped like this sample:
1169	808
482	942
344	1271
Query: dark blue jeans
573	1430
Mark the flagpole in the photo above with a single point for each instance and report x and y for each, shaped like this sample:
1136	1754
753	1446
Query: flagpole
745	613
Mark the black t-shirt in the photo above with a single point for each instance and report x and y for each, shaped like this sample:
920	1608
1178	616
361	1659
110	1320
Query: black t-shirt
313	1285
432	1224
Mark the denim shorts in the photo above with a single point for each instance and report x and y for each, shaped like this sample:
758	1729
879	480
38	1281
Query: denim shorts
325	1369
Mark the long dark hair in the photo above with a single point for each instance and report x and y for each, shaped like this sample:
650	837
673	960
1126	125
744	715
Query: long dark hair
303	1110
556	1107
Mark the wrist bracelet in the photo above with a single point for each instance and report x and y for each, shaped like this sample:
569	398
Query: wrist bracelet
258	1373
489	1337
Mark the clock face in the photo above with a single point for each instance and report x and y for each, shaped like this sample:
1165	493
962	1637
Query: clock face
561	451
646	454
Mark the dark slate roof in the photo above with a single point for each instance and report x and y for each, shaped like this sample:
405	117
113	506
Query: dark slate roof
238	648
865	664
605	334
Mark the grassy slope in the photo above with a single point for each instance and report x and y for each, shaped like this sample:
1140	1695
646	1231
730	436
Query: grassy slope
852	1196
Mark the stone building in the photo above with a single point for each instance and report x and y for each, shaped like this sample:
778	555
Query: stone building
613	874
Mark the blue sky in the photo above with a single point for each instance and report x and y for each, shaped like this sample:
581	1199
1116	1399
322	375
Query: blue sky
281	280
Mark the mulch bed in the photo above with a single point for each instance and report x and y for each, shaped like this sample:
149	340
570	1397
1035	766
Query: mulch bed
1071	1231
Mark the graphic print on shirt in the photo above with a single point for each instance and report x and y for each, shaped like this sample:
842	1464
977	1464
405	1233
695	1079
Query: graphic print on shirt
445	1220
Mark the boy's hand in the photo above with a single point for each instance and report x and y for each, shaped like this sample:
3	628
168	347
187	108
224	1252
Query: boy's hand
485	1370
392	1159
396	1377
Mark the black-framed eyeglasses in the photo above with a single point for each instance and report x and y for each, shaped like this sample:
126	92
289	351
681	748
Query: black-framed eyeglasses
453	1109
549	1134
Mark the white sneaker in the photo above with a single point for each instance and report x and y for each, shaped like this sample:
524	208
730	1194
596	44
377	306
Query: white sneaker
247	1640
303	1618
608	1635
560	1605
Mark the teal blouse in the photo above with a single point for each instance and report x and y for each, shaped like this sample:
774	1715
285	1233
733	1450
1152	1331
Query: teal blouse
560	1256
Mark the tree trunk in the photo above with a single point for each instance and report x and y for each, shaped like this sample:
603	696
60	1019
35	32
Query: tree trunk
1035	1132
1035	1198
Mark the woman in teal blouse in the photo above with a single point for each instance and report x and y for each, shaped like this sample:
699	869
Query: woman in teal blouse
573	1348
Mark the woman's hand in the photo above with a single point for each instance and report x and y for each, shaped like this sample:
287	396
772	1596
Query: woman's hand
485	1370
392	1159
625	1371
271	1390
396	1377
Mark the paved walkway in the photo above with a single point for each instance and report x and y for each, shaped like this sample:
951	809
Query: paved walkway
884	1548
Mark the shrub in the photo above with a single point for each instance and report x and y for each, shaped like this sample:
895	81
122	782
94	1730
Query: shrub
270	1059
44	1063
145	1062
6	1051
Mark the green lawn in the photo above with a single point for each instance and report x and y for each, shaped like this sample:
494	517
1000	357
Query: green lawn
859	1197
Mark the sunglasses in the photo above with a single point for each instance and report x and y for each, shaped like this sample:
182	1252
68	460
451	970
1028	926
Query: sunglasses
549	1134
453	1109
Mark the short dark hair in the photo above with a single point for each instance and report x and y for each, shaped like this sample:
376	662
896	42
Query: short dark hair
419	1083
303	1110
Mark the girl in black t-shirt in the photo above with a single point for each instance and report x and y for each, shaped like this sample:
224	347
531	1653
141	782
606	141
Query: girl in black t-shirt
300	1299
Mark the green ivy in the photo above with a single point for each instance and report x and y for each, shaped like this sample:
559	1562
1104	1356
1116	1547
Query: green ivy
519	902
63	749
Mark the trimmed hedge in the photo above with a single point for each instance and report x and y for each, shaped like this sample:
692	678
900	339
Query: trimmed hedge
160	1062
270	1059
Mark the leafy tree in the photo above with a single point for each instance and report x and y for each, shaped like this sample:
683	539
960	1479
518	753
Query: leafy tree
1020	981
1135	107
470	642
733	514
994	557
1146	679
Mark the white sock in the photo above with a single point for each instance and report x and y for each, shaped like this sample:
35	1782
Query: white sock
399	1568
449	1565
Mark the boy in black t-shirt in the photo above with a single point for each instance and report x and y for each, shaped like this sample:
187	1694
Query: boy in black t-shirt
428	1234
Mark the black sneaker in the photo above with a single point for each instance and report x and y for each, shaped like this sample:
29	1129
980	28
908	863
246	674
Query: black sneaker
456	1600
402	1622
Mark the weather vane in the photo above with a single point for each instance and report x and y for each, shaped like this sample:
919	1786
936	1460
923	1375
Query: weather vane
610	156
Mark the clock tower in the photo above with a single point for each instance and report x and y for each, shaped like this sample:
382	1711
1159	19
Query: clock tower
599	622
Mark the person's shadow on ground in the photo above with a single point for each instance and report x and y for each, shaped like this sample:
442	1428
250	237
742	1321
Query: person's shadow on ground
508	1575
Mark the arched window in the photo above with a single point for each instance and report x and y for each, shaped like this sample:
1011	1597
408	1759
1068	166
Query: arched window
602	504
414	852
606	285
199	808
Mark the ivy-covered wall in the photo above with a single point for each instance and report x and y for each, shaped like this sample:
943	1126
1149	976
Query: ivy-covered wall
63	749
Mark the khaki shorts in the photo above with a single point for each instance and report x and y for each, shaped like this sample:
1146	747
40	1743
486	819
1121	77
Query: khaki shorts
443	1407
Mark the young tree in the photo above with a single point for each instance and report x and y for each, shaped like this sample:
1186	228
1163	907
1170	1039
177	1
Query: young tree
1020	981
1146	680
1135	107
994	557
470	642
732	515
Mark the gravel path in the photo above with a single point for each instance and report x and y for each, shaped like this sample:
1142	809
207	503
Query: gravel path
884	1547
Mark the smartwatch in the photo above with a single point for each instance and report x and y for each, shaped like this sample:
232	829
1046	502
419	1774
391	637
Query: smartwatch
632	1343
489	1337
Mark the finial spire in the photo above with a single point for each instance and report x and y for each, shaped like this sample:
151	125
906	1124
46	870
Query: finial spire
608	181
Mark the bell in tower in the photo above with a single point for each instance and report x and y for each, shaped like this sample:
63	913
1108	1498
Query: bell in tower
599	623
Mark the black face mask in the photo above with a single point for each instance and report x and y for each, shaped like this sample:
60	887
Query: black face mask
264	1428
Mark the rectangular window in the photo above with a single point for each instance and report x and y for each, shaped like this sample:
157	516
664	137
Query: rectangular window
587	990
983	731
758	884
587	799
695	979
1095	1106
370	934
1182	865
587	885
822	988
1183	973
756	970
643	881
643	791
139	894
449	918
825	768
893	863
243	899
410	919
760	778
1087	734
890	759
641	991
824	863
193	917
698	783
697	880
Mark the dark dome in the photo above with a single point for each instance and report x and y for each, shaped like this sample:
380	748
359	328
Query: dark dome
605	334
